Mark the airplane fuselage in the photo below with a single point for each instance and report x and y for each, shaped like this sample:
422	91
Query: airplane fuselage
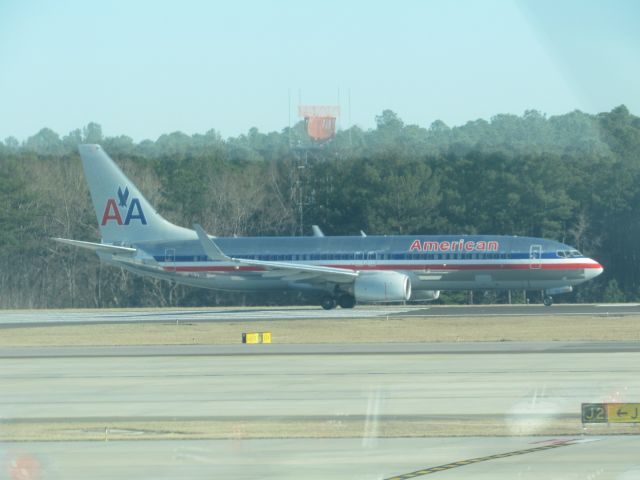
440	262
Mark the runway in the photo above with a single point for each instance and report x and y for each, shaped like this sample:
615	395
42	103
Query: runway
88	316
330	383
48	317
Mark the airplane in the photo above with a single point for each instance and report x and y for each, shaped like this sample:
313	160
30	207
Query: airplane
341	270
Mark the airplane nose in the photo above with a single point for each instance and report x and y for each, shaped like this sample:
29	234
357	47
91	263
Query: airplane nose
594	270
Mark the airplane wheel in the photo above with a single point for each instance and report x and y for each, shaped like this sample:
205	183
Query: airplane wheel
328	303
548	300
346	301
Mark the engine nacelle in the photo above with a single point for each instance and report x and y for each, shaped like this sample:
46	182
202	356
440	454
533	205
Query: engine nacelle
425	295
559	290
382	287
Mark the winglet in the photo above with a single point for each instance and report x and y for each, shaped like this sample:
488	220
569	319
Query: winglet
210	248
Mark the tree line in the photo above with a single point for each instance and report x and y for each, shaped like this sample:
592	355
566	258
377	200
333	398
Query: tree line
572	178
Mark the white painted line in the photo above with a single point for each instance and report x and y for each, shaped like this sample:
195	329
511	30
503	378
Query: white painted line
618	305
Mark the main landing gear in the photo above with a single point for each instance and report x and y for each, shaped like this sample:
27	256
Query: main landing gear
328	303
344	300
547	300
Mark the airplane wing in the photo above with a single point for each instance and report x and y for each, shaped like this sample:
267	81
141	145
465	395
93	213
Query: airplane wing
95	247
291	271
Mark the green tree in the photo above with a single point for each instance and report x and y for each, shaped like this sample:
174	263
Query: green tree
12	143
45	142
92	133
613	293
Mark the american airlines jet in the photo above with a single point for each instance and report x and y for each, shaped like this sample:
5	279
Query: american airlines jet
342	270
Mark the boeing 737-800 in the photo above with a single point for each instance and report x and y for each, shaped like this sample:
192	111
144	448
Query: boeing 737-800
342	270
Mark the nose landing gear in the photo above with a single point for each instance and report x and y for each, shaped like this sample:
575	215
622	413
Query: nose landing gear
547	299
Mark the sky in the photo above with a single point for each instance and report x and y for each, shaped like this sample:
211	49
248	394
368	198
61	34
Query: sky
145	68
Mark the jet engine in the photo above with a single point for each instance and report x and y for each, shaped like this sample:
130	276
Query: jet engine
382	287
425	295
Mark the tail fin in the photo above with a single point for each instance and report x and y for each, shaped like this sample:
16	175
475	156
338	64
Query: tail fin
124	215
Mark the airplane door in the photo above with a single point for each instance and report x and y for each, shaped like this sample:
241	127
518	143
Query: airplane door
535	256
170	259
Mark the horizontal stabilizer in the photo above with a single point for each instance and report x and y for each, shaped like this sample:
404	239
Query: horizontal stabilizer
96	247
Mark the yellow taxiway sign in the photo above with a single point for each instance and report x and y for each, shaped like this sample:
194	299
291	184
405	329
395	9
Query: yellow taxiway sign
623	412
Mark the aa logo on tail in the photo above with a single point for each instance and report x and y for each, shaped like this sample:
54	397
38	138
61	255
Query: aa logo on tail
112	210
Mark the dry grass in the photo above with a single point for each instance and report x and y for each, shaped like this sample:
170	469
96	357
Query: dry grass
391	329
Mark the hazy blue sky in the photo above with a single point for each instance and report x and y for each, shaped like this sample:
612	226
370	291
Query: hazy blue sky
144	68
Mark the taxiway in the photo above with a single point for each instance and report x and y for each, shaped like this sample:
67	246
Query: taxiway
610	457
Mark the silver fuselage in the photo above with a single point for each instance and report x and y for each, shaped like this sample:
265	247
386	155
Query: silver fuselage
440	262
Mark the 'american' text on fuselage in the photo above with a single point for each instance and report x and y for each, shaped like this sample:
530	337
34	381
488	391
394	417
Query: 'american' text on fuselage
455	246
